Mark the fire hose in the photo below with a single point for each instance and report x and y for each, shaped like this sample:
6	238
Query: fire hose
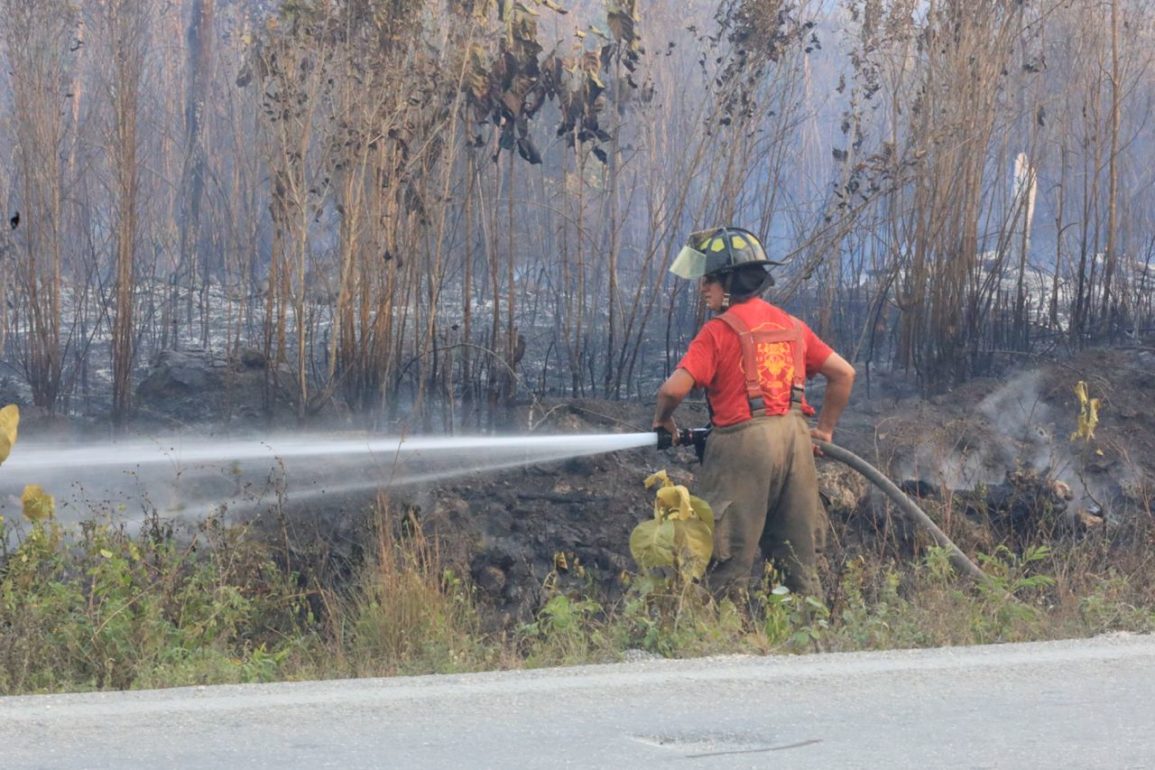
696	437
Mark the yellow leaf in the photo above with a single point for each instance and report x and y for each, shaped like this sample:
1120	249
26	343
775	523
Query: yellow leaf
703	510
652	544
9	422
106	553
695	545
674	502
38	504
1088	413
661	477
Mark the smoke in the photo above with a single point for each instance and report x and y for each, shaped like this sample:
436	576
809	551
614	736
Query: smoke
1013	427
1022	420
1010	427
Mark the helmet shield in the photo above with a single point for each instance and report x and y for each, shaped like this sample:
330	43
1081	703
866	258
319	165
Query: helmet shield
717	250
690	263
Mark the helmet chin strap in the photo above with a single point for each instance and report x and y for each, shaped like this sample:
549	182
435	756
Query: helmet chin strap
727	279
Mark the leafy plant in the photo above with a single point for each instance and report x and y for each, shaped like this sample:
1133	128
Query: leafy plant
787	618
1011	573
566	630
1088	413
9	422
37	504
680	534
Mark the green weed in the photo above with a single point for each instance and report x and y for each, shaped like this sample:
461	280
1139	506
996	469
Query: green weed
100	609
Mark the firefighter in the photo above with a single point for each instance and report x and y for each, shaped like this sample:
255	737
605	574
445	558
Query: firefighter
753	359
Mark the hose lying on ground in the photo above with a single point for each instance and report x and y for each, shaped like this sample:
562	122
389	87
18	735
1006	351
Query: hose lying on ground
957	558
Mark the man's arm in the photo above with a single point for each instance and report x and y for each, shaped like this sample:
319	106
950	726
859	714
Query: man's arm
673	391
839	376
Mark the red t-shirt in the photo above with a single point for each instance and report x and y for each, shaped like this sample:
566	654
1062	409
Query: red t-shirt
714	360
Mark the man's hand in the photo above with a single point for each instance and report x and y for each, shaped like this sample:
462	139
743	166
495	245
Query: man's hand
821	435
839	376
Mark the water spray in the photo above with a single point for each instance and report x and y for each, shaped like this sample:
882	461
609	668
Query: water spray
186	452
196	477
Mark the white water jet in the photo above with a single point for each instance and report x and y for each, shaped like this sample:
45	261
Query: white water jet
194	478
184	451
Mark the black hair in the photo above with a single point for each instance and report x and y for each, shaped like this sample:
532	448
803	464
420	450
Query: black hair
748	281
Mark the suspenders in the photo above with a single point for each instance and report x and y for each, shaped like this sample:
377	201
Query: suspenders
750	340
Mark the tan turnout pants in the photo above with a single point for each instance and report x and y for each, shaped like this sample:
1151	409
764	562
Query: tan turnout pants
759	477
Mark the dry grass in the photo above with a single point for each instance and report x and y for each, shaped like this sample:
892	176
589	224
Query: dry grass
406	611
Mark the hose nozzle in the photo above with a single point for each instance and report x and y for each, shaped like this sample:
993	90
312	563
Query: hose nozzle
695	437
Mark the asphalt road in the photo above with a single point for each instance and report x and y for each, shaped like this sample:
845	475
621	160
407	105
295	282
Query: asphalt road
1077	704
